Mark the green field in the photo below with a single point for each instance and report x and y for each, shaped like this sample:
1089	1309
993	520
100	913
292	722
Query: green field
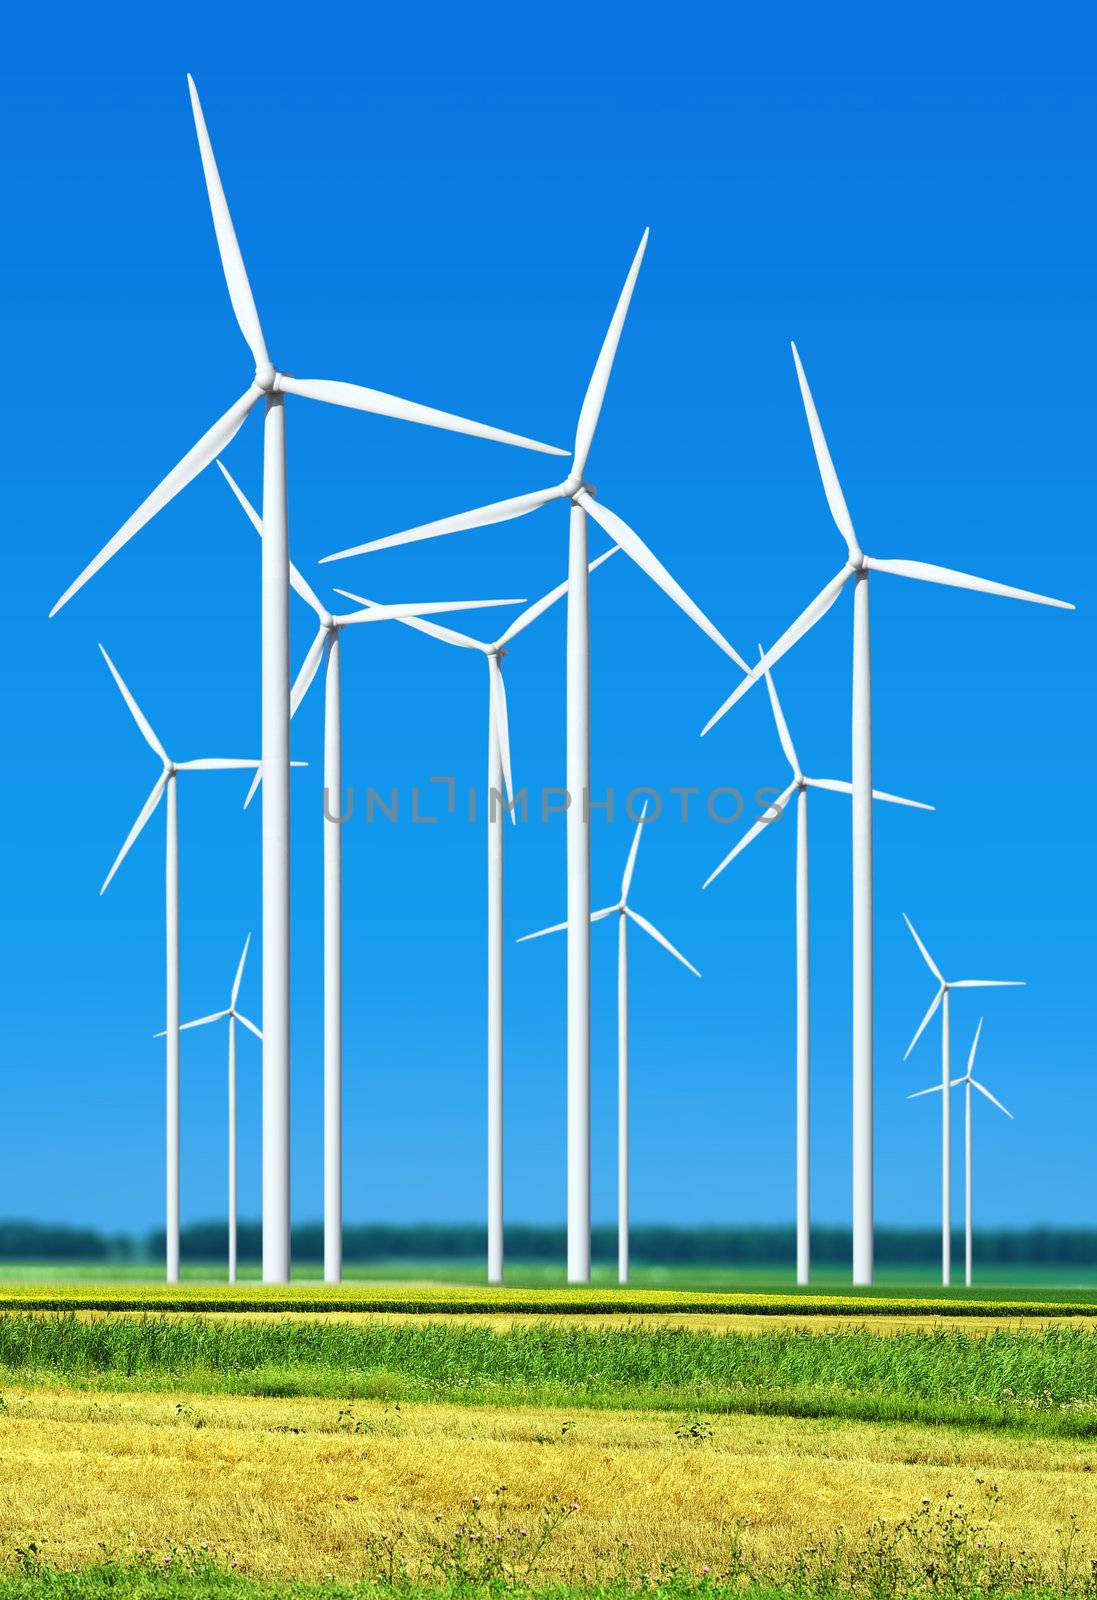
1013	1281
695	1434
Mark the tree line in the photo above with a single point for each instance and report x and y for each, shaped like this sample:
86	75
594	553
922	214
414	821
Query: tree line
653	1244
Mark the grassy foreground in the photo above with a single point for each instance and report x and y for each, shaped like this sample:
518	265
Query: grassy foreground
401	1496
1031	1380
427	1452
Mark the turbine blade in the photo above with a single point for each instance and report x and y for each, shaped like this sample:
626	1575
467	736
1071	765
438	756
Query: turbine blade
989	983
648	562
934	1088
136	713
810	615
299	584
217	764
606	911
838	786
240	1017
358	398
239	975
831	487
539	607
975	1084
650	928
143	816
779	718
630	864
926	957
447	635
557	927
974	1047
900	800
927	573
206	450
770	815
307	670
232	262
599	378
925	1020
481	517
402	610
199	1022
501	726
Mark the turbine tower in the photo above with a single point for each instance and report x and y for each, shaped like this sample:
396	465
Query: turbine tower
858	566
969	1083
941	999
799	787
624	913
327	639
234	1017
579	496
165	785
271	386
499	775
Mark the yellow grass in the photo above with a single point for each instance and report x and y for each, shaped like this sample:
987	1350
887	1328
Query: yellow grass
130	1471
456	1299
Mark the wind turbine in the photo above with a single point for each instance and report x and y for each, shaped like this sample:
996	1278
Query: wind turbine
234	1017
165	786
858	566
499	774
327	639
799	787
270	386
624	913
941	998
579	496
969	1083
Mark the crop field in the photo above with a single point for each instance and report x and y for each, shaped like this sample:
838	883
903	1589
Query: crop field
423	1438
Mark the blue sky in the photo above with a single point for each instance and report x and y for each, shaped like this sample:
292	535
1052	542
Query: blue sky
445	206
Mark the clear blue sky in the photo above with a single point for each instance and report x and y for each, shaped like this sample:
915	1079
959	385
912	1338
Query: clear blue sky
444	203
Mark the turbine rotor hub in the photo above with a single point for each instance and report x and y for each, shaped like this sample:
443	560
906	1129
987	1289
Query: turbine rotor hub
266	379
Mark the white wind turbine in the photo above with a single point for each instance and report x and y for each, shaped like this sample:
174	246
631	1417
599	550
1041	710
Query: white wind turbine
858	566
941	999
234	1017
969	1083
579	496
799	787
270	385
166	785
499	775
624	913
327	639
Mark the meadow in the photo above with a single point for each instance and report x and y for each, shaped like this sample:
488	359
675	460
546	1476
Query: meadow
422	1438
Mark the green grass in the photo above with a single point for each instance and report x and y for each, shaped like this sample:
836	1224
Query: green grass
111	1581
1038	1381
1013	1282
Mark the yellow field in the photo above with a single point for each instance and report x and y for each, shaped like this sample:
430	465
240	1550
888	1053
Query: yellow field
465	1299
284	1486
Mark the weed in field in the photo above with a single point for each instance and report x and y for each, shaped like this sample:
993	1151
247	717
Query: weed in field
694	1431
